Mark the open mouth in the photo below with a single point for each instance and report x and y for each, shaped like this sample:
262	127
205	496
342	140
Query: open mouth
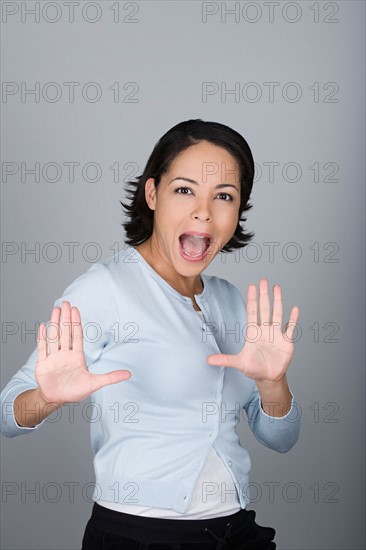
194	246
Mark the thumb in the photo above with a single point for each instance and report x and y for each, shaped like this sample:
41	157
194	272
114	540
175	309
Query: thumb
224	360
101	380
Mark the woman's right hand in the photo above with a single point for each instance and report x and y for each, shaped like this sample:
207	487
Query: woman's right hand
61	371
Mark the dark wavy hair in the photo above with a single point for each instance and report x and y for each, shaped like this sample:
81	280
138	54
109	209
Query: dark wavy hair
139	226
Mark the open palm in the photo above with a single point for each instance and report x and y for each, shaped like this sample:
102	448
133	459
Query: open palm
267	351
61	372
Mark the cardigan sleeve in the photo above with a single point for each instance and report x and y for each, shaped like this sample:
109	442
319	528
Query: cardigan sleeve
93	295
279	433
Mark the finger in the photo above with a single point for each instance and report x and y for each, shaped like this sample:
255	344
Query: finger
224	360
101	380
76	330
252	307
42	342
53	331
277	306
264	304
291	325
65	326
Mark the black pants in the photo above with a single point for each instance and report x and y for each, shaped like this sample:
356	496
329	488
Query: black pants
112	530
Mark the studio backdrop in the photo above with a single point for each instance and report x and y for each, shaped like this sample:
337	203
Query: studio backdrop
87	90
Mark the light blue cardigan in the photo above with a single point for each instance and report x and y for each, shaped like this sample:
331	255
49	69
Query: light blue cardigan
152	433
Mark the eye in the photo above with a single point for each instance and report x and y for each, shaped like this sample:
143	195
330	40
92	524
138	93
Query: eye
183	189
227	195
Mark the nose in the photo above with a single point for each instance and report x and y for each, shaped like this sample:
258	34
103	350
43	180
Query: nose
202	212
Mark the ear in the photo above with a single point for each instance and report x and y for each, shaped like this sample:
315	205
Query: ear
150	193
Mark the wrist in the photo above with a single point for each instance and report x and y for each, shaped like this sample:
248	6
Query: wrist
273	385
276	398
51	405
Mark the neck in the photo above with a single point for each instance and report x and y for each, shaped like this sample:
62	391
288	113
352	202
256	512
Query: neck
187	286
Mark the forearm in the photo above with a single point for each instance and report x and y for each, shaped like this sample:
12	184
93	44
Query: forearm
275	397
274	416
30	408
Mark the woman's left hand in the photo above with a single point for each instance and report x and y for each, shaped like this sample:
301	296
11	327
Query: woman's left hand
267	351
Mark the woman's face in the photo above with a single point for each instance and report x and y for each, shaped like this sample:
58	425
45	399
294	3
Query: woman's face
196	207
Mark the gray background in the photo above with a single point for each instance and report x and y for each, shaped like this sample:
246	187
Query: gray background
169	51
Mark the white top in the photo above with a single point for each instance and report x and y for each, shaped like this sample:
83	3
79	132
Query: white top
214	493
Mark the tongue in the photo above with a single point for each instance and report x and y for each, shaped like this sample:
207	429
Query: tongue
193	245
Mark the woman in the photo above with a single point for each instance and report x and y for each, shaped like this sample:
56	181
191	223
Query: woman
165	446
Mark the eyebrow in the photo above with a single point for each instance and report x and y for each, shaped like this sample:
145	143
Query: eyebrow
218	186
